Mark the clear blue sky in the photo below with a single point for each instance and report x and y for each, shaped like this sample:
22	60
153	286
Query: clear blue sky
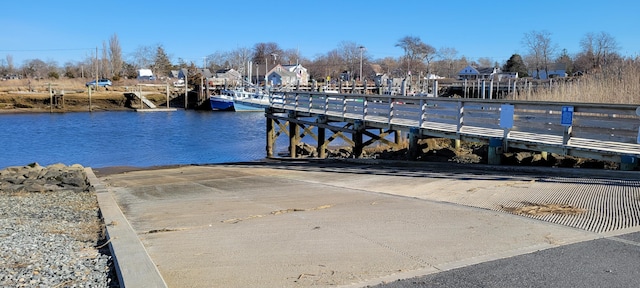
64	31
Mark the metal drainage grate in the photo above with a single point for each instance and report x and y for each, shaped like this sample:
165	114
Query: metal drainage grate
595	205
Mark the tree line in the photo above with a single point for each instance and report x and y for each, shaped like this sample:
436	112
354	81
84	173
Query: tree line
599	53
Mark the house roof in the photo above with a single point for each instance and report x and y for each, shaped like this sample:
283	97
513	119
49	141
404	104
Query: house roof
486	70
206	73
471	70
144	72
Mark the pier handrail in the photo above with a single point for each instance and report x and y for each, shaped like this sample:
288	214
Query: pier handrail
597	131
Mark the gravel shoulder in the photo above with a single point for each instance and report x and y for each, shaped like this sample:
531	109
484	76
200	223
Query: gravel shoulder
51	233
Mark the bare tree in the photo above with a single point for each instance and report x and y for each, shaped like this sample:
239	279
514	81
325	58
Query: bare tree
541	50
330	65
350	53
10	67
115	56
409	45
391	66
266	54
291	56
597	47
219	60
35	68
143	57
417	53
485	62
427	53
448	56
105	65
238	59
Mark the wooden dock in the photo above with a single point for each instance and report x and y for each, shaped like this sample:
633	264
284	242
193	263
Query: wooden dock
608	132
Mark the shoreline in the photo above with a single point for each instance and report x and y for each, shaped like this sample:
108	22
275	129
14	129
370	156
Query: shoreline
16	102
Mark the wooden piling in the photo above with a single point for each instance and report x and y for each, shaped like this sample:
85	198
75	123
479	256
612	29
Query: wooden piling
271	137
356	137
294	135
322	145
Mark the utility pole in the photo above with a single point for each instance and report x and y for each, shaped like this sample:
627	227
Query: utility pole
361	49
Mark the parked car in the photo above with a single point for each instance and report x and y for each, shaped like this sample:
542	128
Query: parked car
179	83
101	83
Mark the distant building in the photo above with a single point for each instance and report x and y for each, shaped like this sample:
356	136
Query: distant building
556	70
145	74
224	77
288	75
507	75
178	74
473	73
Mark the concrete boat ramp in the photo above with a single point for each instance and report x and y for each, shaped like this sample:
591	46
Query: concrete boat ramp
367	223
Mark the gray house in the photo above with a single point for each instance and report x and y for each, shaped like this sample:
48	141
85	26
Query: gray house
285	75
178	74
556	70
225	77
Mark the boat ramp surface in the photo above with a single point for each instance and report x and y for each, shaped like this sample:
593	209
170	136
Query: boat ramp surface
298	224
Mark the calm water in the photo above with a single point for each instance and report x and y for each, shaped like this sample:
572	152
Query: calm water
103	139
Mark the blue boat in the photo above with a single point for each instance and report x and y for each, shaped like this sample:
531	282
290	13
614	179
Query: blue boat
222	102
226	101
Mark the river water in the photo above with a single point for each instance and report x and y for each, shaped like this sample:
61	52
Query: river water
106	139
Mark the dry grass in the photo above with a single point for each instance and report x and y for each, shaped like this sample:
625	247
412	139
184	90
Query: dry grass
617	85
535	209
68	85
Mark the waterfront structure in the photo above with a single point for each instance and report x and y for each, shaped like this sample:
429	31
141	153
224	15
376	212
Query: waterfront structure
595	131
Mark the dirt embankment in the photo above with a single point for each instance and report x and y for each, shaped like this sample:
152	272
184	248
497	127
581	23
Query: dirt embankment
18	96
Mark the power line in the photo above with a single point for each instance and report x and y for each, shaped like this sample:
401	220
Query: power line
46	50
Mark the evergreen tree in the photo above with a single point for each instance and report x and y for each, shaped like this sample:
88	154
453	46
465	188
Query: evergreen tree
162	64
566	60
516	64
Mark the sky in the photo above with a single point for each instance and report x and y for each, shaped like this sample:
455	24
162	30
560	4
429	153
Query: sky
70	31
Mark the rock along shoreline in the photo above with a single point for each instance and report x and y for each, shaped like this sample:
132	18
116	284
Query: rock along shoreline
51	232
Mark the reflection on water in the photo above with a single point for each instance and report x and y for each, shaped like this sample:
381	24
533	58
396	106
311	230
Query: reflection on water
103	139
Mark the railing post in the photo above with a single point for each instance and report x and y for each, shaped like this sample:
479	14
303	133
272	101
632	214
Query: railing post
423	112
566	120
460	116
365	107
326	103
391	100
495	151
344	105
310	101
435	88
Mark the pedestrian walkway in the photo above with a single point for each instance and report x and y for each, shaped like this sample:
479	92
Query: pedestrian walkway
298	224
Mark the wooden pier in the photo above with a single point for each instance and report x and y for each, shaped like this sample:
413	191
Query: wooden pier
595	131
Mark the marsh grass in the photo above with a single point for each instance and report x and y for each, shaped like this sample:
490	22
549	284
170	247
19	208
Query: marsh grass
616	85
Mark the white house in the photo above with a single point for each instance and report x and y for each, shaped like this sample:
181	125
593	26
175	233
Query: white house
473	73
145	74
